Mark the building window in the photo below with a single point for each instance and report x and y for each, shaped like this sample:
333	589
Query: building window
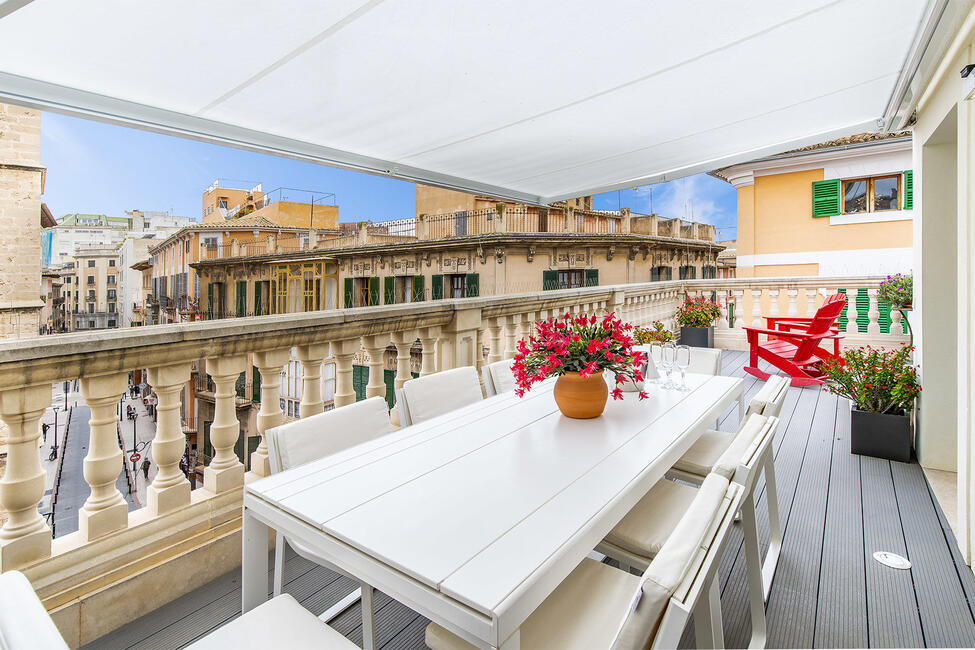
111	262
91	308
571	279
871	194
111	279
111	308
91	294
91	264
91	324
456	286
111	323
91	279
111	294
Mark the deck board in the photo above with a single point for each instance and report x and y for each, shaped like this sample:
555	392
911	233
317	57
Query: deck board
836	509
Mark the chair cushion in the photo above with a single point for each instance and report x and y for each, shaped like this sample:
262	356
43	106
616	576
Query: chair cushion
24	622
442	392
311	438
581	612
704	453
766	394
277	623
502	375
738	450
645	528
668	569
705	361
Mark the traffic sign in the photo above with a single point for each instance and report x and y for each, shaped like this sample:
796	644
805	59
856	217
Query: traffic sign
134	458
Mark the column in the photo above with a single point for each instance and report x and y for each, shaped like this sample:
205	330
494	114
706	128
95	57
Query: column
375	346
25	536
404	344
428	339
494	327
269	363
343	351
105	509
311	358
170	490
873	313
793	308
739	304
756	308
225	471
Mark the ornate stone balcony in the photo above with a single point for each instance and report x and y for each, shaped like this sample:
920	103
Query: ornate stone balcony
121	565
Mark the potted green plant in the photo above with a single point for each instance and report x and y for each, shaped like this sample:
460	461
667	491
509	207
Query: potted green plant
882	384
696	319
898	290
656	333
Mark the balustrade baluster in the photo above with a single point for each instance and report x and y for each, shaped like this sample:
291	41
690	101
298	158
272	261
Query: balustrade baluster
756	308
404	344
739	295
170	490
723	318
873	312
511	331
810	302
773	303
25	536
494	327
852	326
896	322
225	471
269	363
343	351
429	337
793	307
375	347
105	509
312	357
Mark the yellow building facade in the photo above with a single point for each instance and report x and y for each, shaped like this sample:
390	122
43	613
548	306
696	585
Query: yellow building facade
841	208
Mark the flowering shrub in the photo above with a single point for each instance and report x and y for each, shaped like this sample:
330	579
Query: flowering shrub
653	334
698	312
879	381
897	289
584	344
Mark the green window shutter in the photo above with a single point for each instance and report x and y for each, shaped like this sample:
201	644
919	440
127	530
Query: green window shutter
436	287
256	385
241	298
909	189
550	280
472	285
654	274
682	272
373	291
257	300
669	272
826	198
209	300
863	306
418	288
389	377
389	292
348	293
360	377
591	278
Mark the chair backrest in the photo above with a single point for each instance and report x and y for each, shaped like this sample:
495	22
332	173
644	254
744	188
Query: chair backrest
667	571
821	322
769	399
498	377
24	622
739	462
311	438
705	361
439	393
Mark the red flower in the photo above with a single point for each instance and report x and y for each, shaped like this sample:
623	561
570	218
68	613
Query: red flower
643	395
617	393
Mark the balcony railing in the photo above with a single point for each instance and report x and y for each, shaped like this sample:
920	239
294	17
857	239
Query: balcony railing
86	578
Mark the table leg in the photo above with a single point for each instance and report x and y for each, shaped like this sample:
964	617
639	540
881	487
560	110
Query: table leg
254	562
368	624
513	642
741	405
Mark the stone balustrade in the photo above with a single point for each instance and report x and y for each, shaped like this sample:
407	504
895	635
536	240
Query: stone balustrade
121	565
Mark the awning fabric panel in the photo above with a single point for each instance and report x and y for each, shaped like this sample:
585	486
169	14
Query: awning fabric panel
550	98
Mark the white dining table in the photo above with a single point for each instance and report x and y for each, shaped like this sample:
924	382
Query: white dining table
473	518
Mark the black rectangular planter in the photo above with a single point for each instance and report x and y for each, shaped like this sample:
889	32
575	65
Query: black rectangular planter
880	435
698	337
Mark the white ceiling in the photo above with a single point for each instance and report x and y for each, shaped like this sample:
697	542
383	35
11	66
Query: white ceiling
536	100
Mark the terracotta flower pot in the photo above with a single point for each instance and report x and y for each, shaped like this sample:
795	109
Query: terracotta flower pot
581	398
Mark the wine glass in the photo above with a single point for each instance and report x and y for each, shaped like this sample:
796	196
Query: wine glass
668	355
656	352
683	362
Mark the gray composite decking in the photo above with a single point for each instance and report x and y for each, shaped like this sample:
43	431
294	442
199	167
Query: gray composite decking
836	510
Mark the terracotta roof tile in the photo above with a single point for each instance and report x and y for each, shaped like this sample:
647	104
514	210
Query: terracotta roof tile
859	138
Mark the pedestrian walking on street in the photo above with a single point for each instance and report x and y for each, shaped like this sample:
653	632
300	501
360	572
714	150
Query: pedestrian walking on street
44	431
145	468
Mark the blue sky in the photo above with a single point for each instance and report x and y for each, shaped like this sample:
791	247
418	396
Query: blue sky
102	168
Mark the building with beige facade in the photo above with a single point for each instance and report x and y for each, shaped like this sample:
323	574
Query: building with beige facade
842	207
91	297
283	206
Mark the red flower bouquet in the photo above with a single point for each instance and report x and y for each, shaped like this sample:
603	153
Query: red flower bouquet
586	345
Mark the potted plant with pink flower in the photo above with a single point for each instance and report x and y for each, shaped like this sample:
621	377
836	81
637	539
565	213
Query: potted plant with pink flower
578	350
696	319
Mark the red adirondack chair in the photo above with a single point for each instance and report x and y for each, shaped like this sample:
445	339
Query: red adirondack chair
794	348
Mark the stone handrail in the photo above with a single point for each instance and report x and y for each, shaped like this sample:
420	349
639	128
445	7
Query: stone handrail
116	552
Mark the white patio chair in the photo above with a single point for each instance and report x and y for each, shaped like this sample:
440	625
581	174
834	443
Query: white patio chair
427	397
26	625
311	438
598	607
705	361
498	377
640	535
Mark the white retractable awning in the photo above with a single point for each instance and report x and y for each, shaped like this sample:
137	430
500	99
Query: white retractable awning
533	100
